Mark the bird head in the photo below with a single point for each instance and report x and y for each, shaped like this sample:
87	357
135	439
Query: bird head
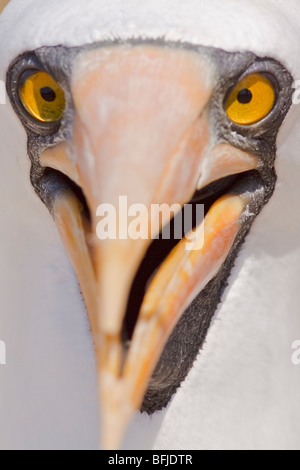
176	105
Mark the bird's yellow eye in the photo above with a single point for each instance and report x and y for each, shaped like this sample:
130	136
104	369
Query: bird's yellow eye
251	100
42	96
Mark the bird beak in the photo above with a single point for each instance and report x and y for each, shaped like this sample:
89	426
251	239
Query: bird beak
141	131
3	4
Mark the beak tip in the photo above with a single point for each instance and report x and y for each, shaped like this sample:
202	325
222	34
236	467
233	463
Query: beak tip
116	410
113	429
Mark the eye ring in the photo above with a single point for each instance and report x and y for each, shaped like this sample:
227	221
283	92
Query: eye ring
251	100
41	96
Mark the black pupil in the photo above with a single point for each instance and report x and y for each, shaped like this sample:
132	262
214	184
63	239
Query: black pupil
245	96
48	94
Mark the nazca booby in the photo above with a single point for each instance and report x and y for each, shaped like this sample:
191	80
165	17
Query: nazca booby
219	59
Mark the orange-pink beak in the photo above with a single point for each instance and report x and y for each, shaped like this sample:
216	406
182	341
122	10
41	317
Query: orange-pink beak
141	131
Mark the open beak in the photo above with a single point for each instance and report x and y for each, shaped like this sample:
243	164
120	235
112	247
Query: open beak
141	131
